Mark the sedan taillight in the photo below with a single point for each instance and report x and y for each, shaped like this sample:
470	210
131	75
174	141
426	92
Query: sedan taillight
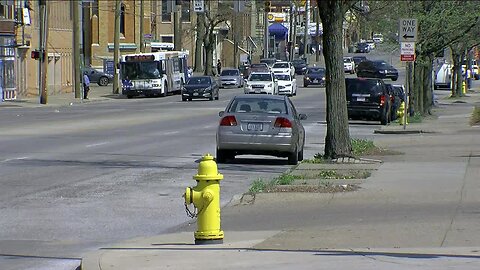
282	122
382	100
228	121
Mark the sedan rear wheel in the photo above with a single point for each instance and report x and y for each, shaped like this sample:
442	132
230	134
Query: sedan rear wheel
300	155
293	158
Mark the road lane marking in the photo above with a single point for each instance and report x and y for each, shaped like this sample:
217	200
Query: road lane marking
96	144
12	159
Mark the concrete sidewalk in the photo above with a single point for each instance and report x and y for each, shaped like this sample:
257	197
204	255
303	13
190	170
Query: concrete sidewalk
350	230
96	94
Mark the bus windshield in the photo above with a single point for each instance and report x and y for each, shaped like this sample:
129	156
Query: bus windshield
141	70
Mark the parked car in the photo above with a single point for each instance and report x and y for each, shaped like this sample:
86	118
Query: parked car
200	87
99	77
287	84
231	77
348	64
283	67
314	76
397	96
300	66
377	69
368	99
357	60
260	125
377	38
371	44
261	83
362	47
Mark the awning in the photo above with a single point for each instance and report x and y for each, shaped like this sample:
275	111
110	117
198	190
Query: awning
278	30
123	46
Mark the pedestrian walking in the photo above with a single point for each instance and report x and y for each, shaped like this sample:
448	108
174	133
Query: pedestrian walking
219	67
86	86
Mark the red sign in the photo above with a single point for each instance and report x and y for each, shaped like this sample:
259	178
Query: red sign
407	57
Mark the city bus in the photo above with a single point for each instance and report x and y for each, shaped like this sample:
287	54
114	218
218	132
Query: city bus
153	74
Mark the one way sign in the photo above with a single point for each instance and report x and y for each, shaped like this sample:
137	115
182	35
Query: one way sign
408	30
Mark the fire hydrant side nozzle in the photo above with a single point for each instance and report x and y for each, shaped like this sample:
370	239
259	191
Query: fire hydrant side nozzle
206	199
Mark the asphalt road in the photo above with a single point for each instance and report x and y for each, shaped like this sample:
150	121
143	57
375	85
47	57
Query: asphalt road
80	177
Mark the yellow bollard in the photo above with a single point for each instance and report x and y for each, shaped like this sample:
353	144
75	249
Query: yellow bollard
206	199
464	87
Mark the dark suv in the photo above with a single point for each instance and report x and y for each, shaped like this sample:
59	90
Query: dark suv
368	99
377	69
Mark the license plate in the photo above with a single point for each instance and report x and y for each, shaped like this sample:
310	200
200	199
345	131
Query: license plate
255	126
315	80
258	91
195	94
360	99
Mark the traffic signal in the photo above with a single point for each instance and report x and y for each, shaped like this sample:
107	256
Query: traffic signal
37	55
268	5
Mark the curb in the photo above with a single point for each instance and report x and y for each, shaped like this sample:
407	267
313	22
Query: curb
407	131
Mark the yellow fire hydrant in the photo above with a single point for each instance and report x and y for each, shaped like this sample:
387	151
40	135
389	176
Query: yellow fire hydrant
206	199
401	114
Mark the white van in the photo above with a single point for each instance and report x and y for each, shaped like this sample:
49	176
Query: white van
443	78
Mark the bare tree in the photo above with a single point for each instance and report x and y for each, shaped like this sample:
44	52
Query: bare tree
337	140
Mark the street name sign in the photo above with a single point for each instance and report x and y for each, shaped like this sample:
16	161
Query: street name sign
408	30
198	6
407	51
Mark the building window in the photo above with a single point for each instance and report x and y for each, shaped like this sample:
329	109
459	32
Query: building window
122	20
167	39
186	10
166	17
95	8
2	11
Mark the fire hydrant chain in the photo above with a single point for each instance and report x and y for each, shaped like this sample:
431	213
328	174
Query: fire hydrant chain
191	214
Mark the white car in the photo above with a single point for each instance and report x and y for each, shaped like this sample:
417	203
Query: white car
287	85
348	64
283	68
377	38
261	83
371	44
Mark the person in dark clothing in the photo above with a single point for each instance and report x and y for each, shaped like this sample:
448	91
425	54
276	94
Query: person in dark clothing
219	67
86	86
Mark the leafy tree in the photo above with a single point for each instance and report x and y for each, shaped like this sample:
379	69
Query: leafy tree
337	140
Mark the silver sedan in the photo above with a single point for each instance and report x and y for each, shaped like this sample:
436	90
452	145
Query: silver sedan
260	125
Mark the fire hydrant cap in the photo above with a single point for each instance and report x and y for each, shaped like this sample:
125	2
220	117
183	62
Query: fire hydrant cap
207	169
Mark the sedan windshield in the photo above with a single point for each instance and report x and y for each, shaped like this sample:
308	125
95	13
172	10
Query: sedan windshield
230	72
283	77
315	71
198	80
280	65
260	77
258	105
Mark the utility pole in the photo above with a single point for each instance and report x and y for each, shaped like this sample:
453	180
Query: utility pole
317	39
177	27
116	46
290	34
266	37
142	41
43	63
77	73
305	33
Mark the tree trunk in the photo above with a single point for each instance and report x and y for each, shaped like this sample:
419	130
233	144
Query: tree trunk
427	86
198	66
337	140
208	44
418	86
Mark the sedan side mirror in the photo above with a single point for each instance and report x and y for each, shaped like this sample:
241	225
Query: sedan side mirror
221	113
302	116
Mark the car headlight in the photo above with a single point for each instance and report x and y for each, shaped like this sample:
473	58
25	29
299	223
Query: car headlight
382	71
307	78
323	78
248	86
208	89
